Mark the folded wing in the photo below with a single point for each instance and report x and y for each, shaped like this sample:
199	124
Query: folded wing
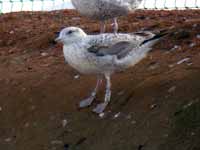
119	45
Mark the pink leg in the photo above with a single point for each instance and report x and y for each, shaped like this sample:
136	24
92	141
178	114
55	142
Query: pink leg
115	26
102	27
101	107
88	101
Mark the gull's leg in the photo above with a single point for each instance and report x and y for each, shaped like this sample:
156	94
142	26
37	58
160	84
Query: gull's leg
88	101
100	107
102	27
115	26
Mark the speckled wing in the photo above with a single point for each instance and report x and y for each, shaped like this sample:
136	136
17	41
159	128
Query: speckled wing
120	49
101	9
119	45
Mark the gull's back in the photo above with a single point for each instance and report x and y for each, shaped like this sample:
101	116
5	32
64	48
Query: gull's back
104	9
122	51
108	39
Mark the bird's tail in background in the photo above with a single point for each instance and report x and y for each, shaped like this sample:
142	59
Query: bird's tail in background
134	4
140	52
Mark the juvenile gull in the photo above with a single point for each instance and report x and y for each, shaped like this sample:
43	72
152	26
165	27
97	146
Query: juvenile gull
103	55
105	9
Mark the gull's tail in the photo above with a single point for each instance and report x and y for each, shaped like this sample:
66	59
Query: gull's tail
139	52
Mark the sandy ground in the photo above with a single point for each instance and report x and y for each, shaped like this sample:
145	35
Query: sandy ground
155	105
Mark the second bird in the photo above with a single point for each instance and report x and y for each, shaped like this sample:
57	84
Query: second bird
105	9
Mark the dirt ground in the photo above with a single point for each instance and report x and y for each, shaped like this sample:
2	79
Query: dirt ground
155	105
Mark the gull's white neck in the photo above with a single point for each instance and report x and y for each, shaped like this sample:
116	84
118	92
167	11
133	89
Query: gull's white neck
77	39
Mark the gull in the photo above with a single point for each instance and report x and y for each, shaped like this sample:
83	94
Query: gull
103	55
105	9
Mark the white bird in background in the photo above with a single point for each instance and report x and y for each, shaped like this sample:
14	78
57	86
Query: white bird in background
103	55
105	9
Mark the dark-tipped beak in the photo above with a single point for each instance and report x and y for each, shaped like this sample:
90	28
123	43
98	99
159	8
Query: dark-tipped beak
57	35
58	39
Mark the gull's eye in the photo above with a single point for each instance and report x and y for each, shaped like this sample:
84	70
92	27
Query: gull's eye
70	32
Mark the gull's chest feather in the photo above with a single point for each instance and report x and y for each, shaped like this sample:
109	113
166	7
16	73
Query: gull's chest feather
76	57
73	55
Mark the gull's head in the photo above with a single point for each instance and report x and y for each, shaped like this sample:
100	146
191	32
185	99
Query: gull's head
70	35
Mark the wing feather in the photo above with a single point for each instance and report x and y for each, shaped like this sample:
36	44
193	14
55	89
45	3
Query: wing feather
120	49
119	45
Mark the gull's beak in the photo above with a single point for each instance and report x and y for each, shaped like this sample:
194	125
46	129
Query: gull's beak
58	39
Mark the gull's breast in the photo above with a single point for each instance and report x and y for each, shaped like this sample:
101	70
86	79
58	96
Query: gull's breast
77	58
